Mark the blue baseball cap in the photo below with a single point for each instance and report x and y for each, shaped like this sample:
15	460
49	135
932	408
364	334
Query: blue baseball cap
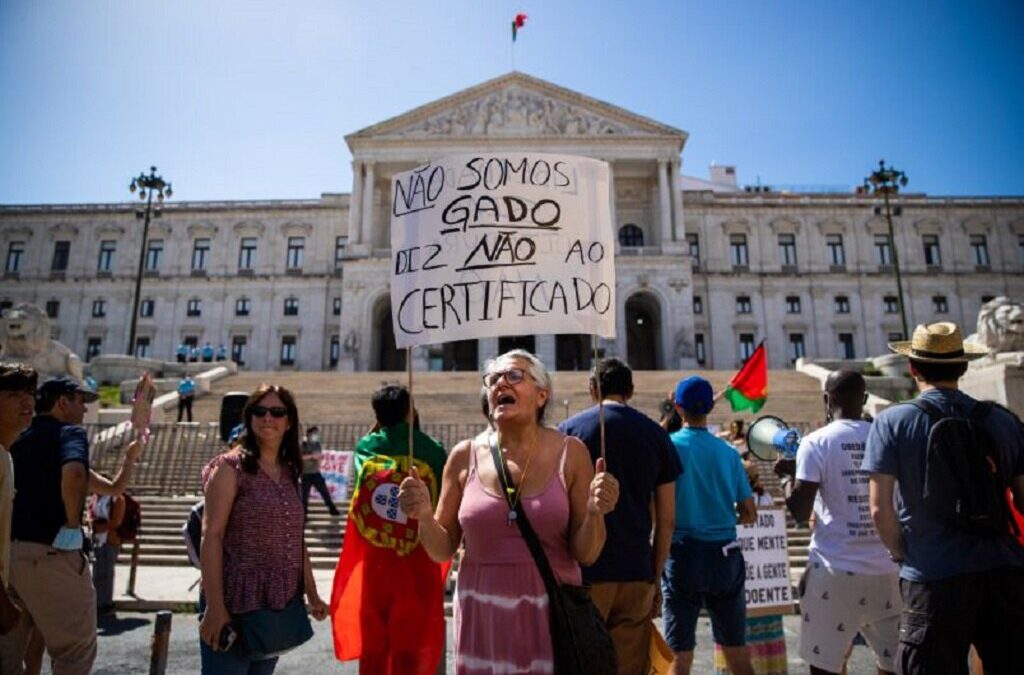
694	395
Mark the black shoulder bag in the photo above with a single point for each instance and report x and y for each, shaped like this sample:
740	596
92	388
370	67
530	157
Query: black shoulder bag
580	642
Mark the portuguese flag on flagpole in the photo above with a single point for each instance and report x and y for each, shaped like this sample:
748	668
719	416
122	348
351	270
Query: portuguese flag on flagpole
517	24
748	389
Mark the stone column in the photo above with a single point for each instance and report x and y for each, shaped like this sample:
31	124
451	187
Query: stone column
664	202
355	204
676	183
368	199
546	350
611	198
486	348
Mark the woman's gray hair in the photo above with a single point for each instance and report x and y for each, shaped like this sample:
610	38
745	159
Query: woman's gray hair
535	368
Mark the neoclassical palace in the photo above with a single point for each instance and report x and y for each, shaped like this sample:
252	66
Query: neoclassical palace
706	269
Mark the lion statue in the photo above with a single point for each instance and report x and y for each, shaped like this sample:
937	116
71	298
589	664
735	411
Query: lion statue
1001	326
25	337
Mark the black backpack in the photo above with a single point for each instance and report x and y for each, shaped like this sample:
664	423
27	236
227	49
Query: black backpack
964	482
192	532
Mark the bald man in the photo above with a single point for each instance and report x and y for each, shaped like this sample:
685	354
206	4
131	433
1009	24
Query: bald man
852	584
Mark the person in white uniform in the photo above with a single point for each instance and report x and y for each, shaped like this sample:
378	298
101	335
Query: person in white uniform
852	585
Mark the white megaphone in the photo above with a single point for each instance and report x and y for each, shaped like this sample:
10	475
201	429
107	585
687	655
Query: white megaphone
769	436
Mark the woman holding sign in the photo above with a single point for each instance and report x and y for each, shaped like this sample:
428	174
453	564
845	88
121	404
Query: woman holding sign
501	605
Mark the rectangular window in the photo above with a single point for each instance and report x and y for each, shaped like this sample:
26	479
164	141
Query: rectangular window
335	351
891	304
147	308
242	306
846	346
296	246
99	309
61	253
939	304
787	250
894	337
154	251
288	350
106	260
698	304
793	304
194	307
698	348
336	307
200	253
1020	249
52	308
339	251
979	250
93	347
291	306
743	304
693	241
836	253
192	341
15	252
746	346
932	252
247	253
238	349
883	249
797	350
842	304
142	347
738	250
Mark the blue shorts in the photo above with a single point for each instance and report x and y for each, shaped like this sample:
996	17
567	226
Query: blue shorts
698	575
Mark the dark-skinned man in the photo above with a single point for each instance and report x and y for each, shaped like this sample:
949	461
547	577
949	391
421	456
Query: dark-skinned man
852	585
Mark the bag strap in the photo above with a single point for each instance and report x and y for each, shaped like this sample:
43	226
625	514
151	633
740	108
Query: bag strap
525	528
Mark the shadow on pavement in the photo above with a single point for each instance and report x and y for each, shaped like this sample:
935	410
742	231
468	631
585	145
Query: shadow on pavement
111	625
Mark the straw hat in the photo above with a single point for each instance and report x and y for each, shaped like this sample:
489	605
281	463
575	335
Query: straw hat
938	343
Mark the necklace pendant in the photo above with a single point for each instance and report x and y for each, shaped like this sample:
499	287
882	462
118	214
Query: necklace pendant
511	517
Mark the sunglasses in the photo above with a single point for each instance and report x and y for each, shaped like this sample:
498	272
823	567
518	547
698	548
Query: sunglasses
512	376
276	412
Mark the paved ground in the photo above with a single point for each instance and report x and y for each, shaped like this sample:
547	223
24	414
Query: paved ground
124	649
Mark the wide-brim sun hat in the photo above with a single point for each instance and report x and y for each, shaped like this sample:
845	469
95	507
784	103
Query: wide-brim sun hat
939	342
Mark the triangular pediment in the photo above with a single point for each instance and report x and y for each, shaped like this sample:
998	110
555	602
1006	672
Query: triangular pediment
516	105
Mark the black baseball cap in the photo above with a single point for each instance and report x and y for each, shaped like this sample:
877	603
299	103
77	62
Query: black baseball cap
62	385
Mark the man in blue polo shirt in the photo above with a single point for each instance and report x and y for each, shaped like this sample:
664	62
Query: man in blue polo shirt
50	576
705	566
624	579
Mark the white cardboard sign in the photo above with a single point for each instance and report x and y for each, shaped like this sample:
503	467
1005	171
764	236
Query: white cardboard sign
766	555
494	244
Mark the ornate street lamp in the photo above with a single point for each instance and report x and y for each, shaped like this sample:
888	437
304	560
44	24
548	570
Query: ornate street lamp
885	182
147	187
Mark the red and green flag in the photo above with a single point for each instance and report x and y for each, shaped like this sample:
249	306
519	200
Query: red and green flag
517	24
748	389
387	605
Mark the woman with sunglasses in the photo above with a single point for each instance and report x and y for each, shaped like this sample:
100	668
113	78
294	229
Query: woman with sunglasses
253	556
501	607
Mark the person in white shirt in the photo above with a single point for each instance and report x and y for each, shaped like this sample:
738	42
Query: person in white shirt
851	583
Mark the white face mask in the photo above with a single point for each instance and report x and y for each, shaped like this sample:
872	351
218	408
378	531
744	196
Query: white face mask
314	438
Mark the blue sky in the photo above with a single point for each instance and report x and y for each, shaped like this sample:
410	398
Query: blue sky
251	100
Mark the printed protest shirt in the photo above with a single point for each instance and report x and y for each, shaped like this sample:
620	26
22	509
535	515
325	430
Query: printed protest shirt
844	535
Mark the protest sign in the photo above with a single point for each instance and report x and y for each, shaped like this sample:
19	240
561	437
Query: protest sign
494	244
766	556
336	468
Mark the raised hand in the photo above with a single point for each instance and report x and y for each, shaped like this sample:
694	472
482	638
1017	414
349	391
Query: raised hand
414	496
604	490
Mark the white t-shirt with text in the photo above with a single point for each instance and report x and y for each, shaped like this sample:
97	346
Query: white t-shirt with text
844	536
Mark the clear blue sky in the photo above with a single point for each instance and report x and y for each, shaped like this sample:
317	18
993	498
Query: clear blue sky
239	100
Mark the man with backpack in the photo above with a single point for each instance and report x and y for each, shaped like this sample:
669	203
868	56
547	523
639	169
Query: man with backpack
952	459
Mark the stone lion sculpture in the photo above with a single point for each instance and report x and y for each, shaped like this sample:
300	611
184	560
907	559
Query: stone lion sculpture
25	337
1001	326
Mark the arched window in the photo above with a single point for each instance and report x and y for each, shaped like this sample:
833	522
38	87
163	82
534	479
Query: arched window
631	235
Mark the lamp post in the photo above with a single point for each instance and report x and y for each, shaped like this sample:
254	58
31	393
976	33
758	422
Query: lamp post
888	181
146	186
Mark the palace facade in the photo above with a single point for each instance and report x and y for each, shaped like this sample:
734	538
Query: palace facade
706	269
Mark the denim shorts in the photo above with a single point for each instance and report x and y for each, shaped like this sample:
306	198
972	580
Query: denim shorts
698	574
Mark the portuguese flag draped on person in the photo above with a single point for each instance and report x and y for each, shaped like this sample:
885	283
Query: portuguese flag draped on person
748	389
387	605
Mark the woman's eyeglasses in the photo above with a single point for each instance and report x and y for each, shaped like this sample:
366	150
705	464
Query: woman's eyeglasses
512	376
276	412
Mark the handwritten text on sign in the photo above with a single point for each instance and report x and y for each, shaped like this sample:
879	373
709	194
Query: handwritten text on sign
767	559
501	244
